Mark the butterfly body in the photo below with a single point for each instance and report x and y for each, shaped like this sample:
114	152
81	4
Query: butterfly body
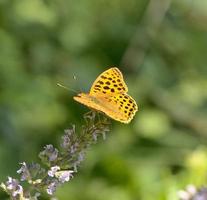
108	94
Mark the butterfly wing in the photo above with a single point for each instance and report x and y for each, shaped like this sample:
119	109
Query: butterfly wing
109	82
125	107
120	107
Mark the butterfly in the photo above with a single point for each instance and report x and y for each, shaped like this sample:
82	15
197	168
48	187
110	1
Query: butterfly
108	94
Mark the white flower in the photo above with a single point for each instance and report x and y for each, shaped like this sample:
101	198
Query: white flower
191	189
19	190
11	183
22	169
13	186
188	193
64	176
183	195
53	170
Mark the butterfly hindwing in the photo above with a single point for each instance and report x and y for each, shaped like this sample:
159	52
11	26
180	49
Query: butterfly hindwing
125	107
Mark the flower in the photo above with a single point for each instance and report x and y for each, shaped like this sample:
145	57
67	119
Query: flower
50	154
201	194
74	147
53	170
188	193
66	139
64	176
19	190
13	187
52	188
25	175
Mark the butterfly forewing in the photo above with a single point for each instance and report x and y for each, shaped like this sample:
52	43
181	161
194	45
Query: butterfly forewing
109	82
122	107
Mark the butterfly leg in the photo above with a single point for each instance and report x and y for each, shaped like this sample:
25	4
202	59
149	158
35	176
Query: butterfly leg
90	116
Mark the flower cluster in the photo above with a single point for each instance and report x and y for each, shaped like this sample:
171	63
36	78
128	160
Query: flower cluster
192	193
13	187
60	164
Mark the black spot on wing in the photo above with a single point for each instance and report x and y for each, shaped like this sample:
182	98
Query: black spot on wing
103	77
101	82
106	87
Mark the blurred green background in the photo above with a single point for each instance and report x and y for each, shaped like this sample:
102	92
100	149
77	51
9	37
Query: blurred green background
161	48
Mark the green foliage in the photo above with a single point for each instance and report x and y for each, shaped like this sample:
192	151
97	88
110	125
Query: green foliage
160	46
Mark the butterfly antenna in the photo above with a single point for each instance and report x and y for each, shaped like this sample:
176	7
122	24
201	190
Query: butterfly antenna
67	88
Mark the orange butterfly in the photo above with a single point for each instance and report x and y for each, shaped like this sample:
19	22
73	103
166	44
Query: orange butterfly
108	94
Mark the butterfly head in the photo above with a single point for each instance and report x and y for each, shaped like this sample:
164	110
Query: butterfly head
86	97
